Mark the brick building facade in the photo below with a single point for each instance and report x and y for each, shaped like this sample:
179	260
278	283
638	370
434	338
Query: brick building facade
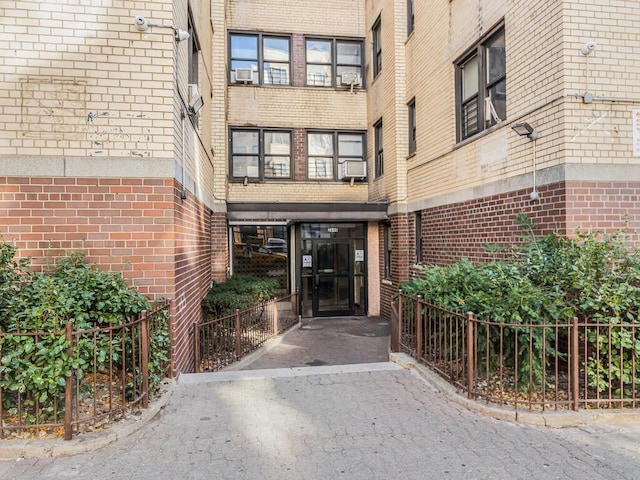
338	144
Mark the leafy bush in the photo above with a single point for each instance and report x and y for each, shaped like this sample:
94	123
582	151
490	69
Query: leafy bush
239	292
550	279
73	291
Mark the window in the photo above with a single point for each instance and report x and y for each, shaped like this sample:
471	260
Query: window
418	239
387	251
379	152
260	154
335	155
412	126
410	16
194	48
260	59
331	62
261	251
376	33
481	86
192	68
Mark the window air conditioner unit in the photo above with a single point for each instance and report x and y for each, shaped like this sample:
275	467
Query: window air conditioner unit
349	79
244	75
353	169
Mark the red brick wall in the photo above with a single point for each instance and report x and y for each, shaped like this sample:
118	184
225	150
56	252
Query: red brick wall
463	229
299	154
299	66
193	274
604	206
141	227
124	225
401	248
458	230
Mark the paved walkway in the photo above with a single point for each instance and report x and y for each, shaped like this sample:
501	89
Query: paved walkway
360	421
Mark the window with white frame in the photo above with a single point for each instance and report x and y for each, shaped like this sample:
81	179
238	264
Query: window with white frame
335	155
481	96
333	62
259	154
259	58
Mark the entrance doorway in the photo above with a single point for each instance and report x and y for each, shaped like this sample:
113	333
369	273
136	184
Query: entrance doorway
332	269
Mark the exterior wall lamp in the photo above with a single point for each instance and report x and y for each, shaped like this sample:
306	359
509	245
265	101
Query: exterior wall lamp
142	25
525	130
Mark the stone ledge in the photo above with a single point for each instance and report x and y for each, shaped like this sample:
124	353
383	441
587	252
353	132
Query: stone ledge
548	419
36	448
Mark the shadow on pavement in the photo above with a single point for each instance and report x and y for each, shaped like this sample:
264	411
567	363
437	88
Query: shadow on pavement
329	341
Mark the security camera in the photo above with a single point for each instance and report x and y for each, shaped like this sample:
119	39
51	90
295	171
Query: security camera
588	47
141	23
180	34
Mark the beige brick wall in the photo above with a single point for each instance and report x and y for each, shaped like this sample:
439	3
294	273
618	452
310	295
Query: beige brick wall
546	76
297	107
298	192
326	17
387	100
294	107
78	80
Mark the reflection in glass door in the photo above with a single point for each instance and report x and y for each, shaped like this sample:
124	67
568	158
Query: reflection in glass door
332	277
332	269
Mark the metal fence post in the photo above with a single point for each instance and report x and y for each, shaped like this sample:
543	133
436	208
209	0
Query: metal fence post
173	310
419	327
296	303
399	324
68	388
575	373
196	347
144	357
470	354
275	319
238	335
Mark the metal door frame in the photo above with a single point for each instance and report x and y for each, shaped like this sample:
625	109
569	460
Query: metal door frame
317	312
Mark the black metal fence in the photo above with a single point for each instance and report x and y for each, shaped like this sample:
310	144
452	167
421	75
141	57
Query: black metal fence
222	341
109	371
573	365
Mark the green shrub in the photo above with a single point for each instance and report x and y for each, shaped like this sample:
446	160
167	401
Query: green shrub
547	280
72	291
239	292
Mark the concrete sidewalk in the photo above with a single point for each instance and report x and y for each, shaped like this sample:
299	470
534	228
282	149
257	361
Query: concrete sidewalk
363	421
342	419
325	341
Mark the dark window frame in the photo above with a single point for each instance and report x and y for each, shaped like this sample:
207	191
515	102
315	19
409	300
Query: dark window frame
410	17
417	219
193	60
333	64
261	155
336	153
483	119
376	50
259	59
411	110
388	251
378	145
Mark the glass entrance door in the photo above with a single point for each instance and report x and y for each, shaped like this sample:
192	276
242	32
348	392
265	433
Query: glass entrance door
332	274
331	267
